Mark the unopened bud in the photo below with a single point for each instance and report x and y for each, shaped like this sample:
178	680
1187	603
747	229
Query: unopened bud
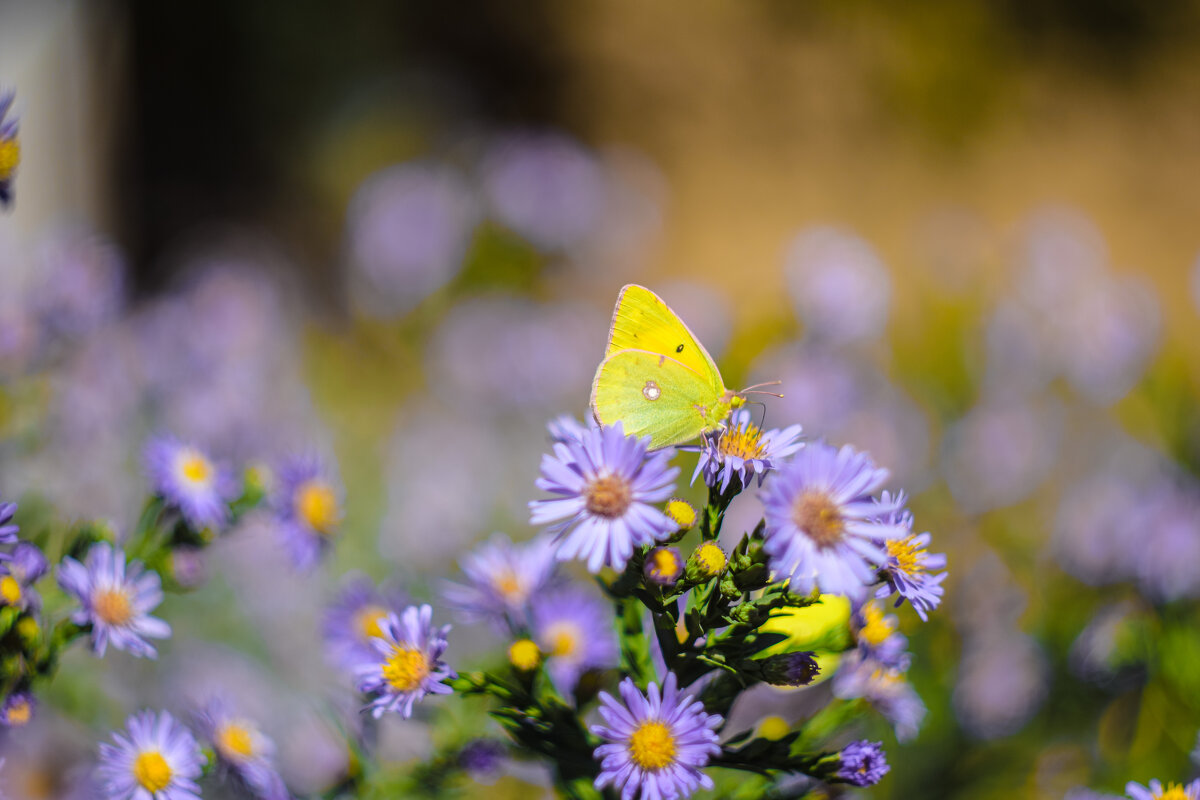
790	669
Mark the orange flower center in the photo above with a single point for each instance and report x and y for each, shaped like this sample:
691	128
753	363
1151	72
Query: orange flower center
819	518
609	496
112	606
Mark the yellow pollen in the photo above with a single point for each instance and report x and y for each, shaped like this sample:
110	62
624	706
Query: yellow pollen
152	771
10	157
608	496
508	586
818	517
1173	792
10	590
711	558
18	713
652	746
681	513
195	467
663	563
742	443
773	728
316	504
524	654
235	741
367	620
876	627
907	555
406	668
112	606
563	638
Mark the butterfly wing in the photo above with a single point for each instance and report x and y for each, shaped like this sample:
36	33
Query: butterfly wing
656	396
642	321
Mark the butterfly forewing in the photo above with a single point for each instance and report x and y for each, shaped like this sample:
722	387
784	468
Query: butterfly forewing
652	395
642	321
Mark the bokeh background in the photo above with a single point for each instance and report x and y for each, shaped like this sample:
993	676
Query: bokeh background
963	234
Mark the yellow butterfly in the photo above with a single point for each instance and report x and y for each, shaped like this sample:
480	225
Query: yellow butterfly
656	378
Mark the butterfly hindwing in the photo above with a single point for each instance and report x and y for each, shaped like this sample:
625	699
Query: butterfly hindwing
652	395
642	321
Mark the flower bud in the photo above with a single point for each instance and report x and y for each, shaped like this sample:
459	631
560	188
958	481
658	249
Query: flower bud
706	562
790	669
524	655
681	512
663	566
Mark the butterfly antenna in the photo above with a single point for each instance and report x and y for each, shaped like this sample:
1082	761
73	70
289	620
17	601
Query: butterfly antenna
763	419
756	390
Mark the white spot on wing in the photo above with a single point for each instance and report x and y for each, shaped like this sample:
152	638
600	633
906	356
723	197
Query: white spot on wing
651	391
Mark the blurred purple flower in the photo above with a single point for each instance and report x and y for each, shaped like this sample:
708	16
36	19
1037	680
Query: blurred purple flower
8	530
186	478
604	486
154	757
354	619
26	567
573	629
116	600
80	284
885	689
10	148
840	288
545	187
1001	683
408	230
242	750
503	579
863	763
307	508
17	710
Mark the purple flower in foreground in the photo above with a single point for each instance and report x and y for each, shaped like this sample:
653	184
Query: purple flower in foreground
189	480
242	750
605	483
909	568
1156	791
503	577
354	620
822	526
407	664
744	450
116	600
657	744
863	763
573	629
155	758
308	509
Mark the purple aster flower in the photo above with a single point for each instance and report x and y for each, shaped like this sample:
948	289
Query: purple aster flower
885	689
1156	791
663	566
353	621
878	638
308	509
909	567
116	600
407	663
744	450
155	758
8	530
822	527
190	481
566	428
10	148
17	710
503	579
863	763
605	484
657	744
242	750
573	629
26	567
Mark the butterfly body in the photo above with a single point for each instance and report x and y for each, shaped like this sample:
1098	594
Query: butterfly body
656	378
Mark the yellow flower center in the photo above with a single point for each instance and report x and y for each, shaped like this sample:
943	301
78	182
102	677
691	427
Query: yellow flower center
563	639
10	590
1173	792
18	713
317	505
235	741
819	518
681	513
711	558
112	606
907	555
367	620
608	496
773	728
10	156
876	626
508	586
195	467
663	563
524	654
652	746
741	442
406	668
152	771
